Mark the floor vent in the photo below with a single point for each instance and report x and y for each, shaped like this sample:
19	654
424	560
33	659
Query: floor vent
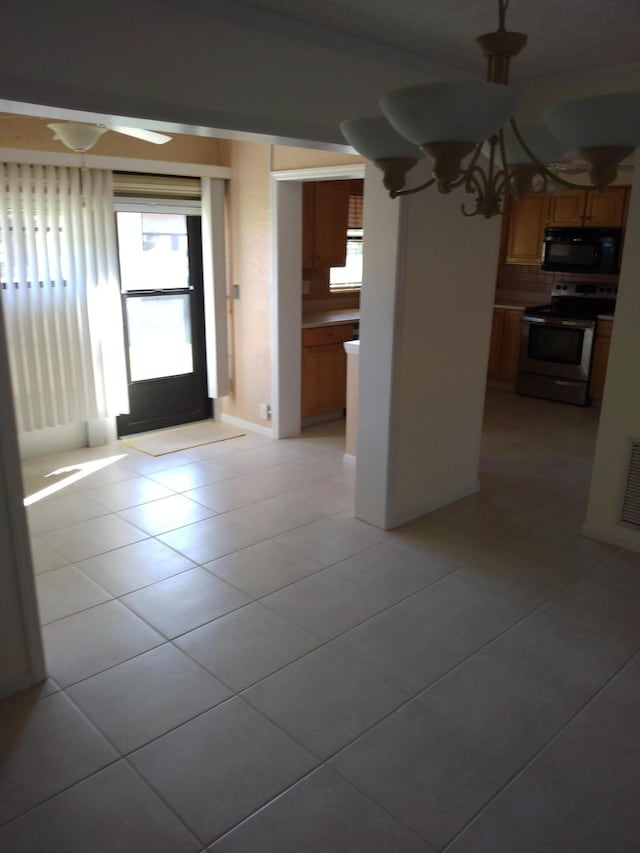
631	505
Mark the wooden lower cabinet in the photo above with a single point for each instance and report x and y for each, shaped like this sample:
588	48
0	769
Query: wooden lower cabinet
324	369
504	353
600	359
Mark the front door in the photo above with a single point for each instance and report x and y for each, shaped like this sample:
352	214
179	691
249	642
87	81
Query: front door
162	295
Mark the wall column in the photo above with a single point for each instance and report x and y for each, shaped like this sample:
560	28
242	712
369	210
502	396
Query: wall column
426	311
21	656
620	415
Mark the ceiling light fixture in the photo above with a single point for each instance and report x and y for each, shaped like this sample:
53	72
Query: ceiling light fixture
451	120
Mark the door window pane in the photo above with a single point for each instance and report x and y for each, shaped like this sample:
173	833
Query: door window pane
154	253
558	345
159	336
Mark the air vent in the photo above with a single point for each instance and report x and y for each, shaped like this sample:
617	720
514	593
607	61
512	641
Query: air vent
631	505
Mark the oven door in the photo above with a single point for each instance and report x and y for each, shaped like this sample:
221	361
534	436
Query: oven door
554	346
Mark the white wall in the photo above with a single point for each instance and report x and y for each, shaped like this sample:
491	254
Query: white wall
426	322
620	415
21	657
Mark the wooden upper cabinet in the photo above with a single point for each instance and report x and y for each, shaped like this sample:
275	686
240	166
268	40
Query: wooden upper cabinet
527	221
567	210
325	208
606	209
588	208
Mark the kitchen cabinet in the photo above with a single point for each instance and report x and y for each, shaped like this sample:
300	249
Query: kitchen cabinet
527	218
324	369
325	209
600	359
504	352
588	209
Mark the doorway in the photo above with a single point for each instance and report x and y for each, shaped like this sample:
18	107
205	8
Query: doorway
160	254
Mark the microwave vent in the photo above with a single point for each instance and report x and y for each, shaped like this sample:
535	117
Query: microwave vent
631	504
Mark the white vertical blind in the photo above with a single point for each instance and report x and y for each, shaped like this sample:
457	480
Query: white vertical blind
61	294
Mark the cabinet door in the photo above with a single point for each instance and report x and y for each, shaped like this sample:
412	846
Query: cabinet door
567	210
330	228
510	346
528	218
600	359
324	379
493	370
605	209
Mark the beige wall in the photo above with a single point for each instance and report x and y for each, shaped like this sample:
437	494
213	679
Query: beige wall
250	268
33	133
287	157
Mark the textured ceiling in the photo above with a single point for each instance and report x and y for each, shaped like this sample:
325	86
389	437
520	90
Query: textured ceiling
564	35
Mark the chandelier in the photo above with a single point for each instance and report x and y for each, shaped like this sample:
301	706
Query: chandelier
450	121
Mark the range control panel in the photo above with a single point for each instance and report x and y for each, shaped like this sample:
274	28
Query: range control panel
585	289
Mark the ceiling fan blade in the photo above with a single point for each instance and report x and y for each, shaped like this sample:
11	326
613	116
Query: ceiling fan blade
140	133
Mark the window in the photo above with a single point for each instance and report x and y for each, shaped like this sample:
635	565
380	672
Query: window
349	276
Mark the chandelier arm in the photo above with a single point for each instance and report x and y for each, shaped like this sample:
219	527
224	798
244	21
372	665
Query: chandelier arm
471	168
473	184
413	190
549	175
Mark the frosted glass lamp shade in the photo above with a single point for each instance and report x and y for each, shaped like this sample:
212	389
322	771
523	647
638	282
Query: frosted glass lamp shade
375	139
458	111
76	136
599	121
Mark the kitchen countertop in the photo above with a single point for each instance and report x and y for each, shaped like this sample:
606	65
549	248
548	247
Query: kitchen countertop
337	317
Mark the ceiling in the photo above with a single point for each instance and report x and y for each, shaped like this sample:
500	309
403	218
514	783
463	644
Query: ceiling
565	36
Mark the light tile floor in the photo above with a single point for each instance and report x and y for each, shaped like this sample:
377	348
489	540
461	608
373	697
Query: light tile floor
237	664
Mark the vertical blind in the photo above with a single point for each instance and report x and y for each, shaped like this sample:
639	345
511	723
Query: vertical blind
61	295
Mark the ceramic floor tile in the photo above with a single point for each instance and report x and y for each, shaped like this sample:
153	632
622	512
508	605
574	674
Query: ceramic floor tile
89	642
165	514
61	510
96	536
134	566
564	546
401	647
522	576
211	538
45	558
111	811
219	768
185	601
320	814
143	698
326	604
66	591
332	539
190	476
578	796
277	514
422	771
246	645
45	746
324	700
262	568
128	493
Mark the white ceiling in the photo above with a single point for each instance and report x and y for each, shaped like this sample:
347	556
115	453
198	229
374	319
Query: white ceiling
565	36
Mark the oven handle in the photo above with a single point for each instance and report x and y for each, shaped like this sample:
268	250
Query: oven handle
547	321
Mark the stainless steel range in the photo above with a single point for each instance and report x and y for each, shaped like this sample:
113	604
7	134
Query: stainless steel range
557	340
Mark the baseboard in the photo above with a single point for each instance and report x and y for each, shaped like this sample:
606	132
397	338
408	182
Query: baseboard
242	424
623	538
400	518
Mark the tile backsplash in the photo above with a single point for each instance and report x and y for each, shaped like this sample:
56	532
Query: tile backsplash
525	278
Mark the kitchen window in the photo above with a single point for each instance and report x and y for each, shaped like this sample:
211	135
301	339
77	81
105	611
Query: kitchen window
349	277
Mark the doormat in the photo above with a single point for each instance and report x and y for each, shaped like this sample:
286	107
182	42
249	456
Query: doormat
163	441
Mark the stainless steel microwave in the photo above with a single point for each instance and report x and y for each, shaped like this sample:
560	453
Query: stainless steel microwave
582	250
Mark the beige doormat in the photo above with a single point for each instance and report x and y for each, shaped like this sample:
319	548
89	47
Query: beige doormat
162	441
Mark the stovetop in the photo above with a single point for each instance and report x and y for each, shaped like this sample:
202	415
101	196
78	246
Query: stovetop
580	300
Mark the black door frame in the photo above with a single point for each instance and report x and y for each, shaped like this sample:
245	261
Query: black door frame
186	394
